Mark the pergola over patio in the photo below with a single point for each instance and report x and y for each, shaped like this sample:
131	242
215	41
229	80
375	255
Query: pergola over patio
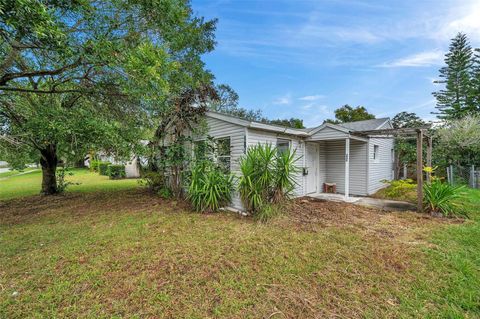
421	134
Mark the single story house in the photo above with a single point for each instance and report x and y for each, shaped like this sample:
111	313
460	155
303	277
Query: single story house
328	153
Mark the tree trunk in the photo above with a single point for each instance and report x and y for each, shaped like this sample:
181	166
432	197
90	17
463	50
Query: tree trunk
49	163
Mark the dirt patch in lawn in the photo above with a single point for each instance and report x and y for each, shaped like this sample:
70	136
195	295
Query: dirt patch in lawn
75	204
313	214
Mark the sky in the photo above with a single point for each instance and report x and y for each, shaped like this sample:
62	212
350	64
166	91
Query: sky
305	58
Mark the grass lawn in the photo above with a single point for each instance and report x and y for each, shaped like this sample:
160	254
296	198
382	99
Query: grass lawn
15	172
128	254
30	183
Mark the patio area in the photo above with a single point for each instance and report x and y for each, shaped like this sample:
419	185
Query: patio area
383	204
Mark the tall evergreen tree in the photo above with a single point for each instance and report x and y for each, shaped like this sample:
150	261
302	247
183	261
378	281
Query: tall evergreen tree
475	90
455	100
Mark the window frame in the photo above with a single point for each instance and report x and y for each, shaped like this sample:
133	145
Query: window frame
283	140
218	157
376	151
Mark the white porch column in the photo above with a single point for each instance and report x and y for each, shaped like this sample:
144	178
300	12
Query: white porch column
347	167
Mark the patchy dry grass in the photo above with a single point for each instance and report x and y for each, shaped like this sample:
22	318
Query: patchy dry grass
128	254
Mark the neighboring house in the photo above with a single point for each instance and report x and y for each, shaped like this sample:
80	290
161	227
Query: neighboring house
132	167
328	153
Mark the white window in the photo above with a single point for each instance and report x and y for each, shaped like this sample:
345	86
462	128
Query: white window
376	149
223	153
283	145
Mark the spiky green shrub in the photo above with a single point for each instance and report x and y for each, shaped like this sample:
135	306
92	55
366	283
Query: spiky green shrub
284	176
267	176
257	167
210	188
442	198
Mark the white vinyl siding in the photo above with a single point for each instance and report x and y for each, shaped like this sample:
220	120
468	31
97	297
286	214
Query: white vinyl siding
322	167
335	154
358	168
328	133
380	168
335	166
256	137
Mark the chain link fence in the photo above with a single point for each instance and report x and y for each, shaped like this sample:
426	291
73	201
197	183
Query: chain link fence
453	174
463	175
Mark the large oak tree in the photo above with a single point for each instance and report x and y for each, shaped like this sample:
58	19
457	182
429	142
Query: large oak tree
78	74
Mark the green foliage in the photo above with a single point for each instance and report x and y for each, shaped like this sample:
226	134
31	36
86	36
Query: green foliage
458	141
404	189
284	181
460	96
94	165
62	183
267	176
292	122
157	183
407	120
103	168
442	198
210	188
101	68
165	193
116	171
347	113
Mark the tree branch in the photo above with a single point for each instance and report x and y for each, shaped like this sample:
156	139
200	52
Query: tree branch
11	76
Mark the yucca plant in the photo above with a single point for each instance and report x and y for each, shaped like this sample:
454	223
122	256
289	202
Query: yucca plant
442	198
285	170
257	167
267	176
210	188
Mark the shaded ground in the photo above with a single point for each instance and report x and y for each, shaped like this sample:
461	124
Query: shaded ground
127	253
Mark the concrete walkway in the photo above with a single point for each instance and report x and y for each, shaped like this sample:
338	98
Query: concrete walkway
383	204
21	173
386	204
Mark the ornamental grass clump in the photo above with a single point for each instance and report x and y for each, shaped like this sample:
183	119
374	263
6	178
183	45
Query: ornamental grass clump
268	177
210	187
440	198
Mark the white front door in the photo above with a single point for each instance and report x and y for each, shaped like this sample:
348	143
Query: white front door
311	161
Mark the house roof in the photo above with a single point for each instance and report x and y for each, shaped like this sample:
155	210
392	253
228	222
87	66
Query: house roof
343	127
366	125
257	125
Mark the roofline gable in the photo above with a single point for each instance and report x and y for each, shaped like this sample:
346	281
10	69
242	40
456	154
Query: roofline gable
386	121
330	125
256	125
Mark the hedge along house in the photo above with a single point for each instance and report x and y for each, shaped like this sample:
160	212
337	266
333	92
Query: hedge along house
329	153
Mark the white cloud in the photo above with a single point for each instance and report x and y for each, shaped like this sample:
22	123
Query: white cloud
283	100
311	97
467	20
421	59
